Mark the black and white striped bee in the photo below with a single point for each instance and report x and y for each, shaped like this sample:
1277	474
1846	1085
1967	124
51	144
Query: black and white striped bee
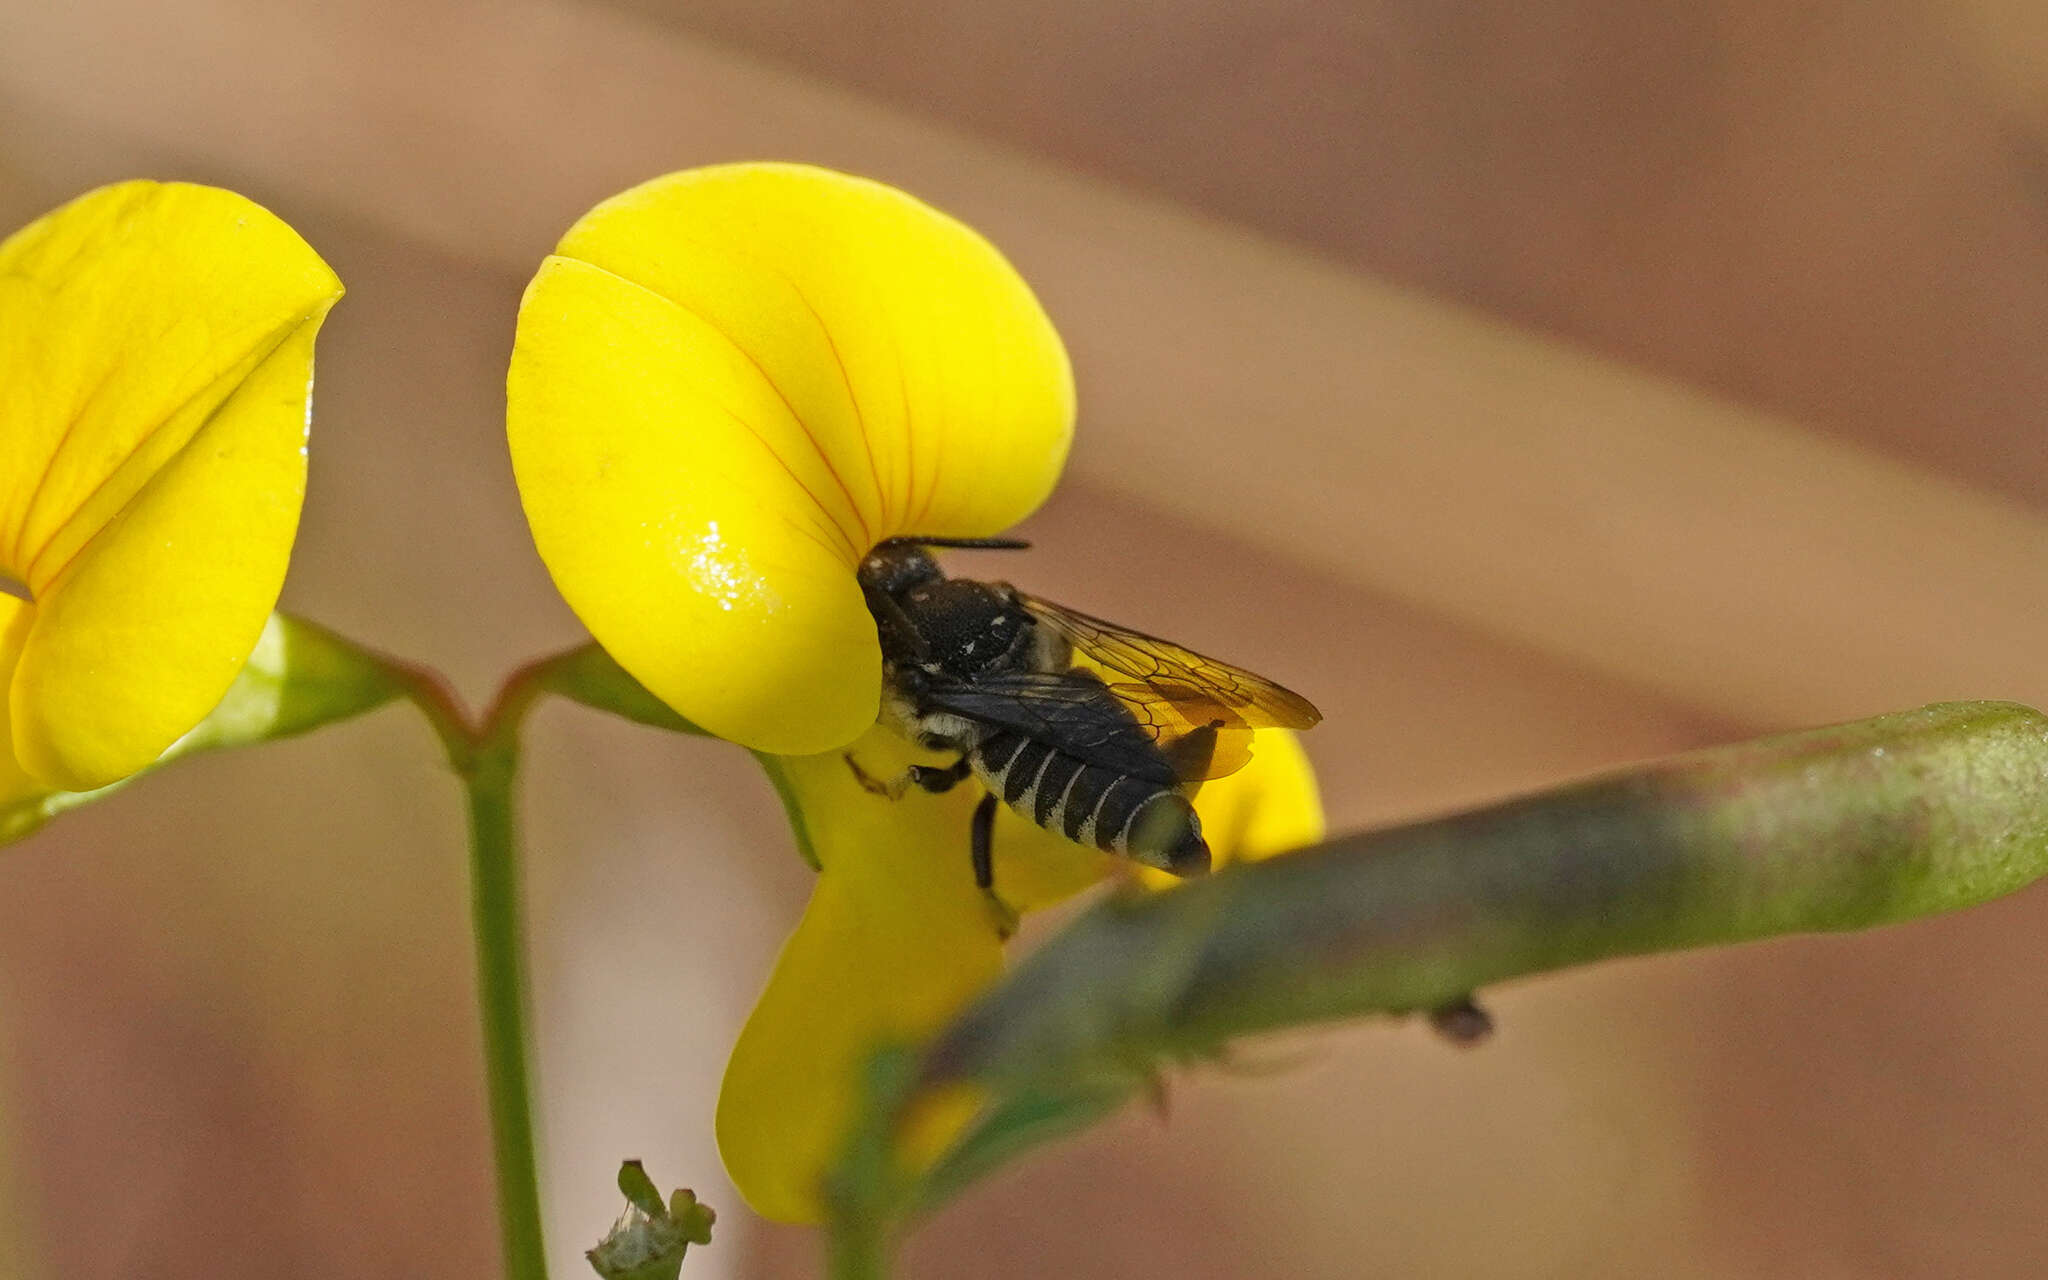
1108	760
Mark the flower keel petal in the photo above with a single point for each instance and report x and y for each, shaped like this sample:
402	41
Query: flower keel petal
896	939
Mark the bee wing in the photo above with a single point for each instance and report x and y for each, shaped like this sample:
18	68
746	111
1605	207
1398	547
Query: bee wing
1071	710
1203	738
1199	688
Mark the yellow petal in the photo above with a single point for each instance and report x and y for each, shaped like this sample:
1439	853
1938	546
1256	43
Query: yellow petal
156	342
16	616
727	385
895	939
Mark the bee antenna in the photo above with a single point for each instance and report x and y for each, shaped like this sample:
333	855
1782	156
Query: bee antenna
965	544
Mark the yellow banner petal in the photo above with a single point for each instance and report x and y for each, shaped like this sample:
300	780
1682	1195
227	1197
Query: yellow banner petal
156	342
150	624
16	617
729	384
126	318
660	478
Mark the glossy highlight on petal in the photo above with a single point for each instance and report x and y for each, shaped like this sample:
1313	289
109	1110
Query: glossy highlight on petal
728	384
156	341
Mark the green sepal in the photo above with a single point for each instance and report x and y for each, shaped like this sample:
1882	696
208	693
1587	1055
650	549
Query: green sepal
1013	1126
1838	828
799	828
589	676
299	677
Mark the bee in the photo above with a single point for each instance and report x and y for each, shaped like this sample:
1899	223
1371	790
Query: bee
984	671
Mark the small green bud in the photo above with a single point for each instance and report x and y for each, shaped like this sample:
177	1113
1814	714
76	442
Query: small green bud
640	1189
691	1218
649	1239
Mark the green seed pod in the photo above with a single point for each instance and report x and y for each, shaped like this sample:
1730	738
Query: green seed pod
1837	828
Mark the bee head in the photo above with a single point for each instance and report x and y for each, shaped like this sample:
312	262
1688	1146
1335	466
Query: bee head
898	564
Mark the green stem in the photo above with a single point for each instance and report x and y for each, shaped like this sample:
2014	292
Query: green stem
1843	827
865	1194
301	676
857	1253
496	916
486	757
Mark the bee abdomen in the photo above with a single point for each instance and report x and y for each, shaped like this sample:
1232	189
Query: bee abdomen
1001	756
1151	824
1091	805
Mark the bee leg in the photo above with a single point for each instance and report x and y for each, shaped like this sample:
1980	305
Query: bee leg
935	780
1461	1022
892	790
981	848
981	838
939	781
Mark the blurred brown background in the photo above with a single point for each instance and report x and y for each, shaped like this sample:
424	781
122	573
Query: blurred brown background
1538	387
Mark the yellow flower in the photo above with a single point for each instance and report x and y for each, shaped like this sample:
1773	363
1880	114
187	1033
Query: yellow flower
728	385
156	357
